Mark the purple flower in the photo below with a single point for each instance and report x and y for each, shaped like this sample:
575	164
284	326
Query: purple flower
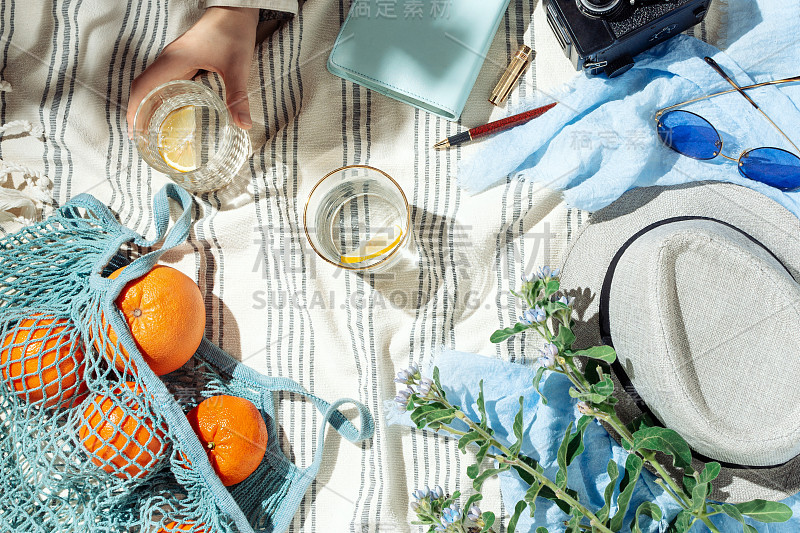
567	300
474	513
421	494
425	385
531	316
547	355
402	377
546	272
451	515
401	401
538	314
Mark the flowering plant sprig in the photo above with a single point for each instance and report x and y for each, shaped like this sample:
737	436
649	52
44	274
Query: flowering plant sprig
550	316
444	514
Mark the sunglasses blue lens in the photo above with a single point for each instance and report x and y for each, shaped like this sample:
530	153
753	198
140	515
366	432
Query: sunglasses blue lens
773	166
689	134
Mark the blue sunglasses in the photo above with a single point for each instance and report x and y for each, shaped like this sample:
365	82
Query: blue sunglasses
691	135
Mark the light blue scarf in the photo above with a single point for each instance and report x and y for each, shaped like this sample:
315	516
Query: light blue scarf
600	140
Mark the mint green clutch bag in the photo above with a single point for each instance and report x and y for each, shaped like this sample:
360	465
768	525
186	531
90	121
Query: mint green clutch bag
426	53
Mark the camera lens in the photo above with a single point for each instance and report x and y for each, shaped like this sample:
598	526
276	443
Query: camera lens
599	8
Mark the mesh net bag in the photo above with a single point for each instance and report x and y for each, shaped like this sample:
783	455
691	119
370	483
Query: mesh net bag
91	446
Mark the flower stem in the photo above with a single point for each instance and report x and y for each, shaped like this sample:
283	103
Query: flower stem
514	460
560	493
650	458
709	524
672	494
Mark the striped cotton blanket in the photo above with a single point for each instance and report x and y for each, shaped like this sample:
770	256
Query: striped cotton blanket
270	301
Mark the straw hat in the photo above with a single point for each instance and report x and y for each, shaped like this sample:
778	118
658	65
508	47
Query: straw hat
695	287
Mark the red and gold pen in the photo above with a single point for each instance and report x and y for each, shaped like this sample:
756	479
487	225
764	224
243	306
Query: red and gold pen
493	127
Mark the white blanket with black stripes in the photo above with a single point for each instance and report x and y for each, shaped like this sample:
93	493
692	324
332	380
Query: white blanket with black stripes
271	302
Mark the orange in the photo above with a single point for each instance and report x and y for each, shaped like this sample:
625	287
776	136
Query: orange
43	361
186	526
165	312
119	435
233	433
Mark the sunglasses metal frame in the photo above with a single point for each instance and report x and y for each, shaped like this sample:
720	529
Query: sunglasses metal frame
740	90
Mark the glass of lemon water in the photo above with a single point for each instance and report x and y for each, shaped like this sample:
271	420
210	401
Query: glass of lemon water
183	129
358	218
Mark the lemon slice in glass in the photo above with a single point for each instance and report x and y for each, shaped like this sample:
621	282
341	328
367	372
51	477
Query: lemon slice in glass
380	243
176	139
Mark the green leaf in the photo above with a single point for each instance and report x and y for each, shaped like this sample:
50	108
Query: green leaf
477	483
484	449
564	338
517	446
473	499
502	334
532	289
699	493
484	423
536	379
531	494
573	525
747	528
765	511
709	473
437	382
552	287
689	483
488	521
576	439
601	353
512	523
561	476
681	523
452	498
665	440
551	307
440	416
541	529
604	388
608	493
422	410
590	397
464	441
732	511
473	470
649	509
633	467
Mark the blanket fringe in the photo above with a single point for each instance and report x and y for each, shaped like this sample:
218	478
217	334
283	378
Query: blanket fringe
717	24
29	200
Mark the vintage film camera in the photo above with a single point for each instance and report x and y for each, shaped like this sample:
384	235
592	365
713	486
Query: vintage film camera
604	35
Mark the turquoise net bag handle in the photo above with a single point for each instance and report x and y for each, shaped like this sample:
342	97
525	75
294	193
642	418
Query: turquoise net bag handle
56	308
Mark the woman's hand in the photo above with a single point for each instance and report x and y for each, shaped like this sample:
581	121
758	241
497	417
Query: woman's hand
222	41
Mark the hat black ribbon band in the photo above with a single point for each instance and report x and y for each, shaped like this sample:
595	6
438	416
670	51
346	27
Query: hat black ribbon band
605	323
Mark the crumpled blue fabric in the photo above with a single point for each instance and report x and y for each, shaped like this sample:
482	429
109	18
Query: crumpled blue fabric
544	428
600	140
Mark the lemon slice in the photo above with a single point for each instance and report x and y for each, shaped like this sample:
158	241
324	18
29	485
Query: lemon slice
176	139
378	245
